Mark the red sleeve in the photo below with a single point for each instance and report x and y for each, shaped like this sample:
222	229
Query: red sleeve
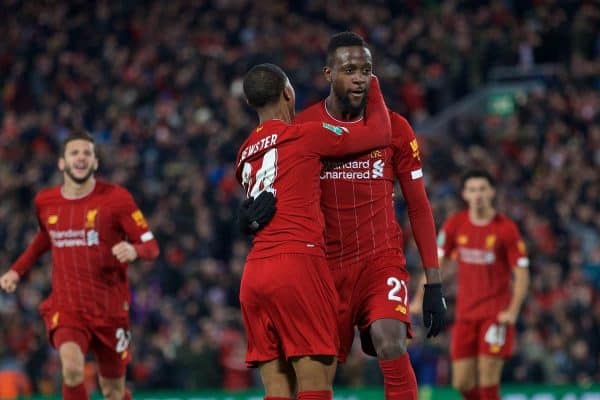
135	226
407	158
446	238
337	141
407	166
38	246
421	219
516	253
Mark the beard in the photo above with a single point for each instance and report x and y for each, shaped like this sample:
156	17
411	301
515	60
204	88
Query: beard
78	180
349	107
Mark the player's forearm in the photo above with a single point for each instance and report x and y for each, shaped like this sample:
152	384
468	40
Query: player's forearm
374	134
417	299
433	275
520	287
147	250
447	269
377	119
39	245
421	220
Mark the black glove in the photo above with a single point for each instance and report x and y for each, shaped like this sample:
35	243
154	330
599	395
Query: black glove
254	214
434	309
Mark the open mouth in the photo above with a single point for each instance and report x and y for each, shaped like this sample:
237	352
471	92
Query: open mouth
80	167
357	94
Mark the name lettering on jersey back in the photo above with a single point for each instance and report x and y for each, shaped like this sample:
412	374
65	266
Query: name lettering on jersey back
264	143
74	238
350	170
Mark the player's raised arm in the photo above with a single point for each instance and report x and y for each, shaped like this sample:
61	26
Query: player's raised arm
337	141
141	240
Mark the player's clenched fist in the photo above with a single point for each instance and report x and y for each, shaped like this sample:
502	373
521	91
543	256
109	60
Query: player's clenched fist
124	251
9	281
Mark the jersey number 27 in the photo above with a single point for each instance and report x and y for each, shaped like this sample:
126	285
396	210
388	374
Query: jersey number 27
264	178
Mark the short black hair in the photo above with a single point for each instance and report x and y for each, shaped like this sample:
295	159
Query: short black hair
343	39
77	134
477	173
263	84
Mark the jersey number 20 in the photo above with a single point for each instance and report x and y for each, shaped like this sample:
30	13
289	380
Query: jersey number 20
264	178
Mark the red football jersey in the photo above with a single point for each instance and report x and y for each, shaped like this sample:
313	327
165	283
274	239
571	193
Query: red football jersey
286	160
357	198
86	276
486	255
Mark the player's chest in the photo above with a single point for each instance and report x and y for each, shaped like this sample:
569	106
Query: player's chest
477	247
375	165
77	223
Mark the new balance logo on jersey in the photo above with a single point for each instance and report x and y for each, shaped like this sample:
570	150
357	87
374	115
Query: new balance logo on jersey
377	169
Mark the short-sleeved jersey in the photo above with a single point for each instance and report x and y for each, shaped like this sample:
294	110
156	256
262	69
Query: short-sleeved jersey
286	160
86	276
358	193
486	256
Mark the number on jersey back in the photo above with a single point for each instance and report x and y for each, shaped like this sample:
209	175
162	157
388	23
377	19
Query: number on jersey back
263	179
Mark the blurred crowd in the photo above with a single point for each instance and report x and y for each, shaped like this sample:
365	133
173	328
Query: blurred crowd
159	86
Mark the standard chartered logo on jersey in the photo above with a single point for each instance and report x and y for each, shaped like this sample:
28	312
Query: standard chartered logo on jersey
350	170
74	238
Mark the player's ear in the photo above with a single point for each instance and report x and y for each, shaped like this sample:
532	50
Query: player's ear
61	164
327	73
287	93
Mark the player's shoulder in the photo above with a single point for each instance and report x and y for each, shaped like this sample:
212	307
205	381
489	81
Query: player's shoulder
458	218
505	222
105	188
262	138
401	128
311	113
48	194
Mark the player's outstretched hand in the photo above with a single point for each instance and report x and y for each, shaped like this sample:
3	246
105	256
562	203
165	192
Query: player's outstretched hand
254	214
9	281
125	252
434	308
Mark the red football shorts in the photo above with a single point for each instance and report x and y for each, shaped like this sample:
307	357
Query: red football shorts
481	338
107	340
374	289
289	307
